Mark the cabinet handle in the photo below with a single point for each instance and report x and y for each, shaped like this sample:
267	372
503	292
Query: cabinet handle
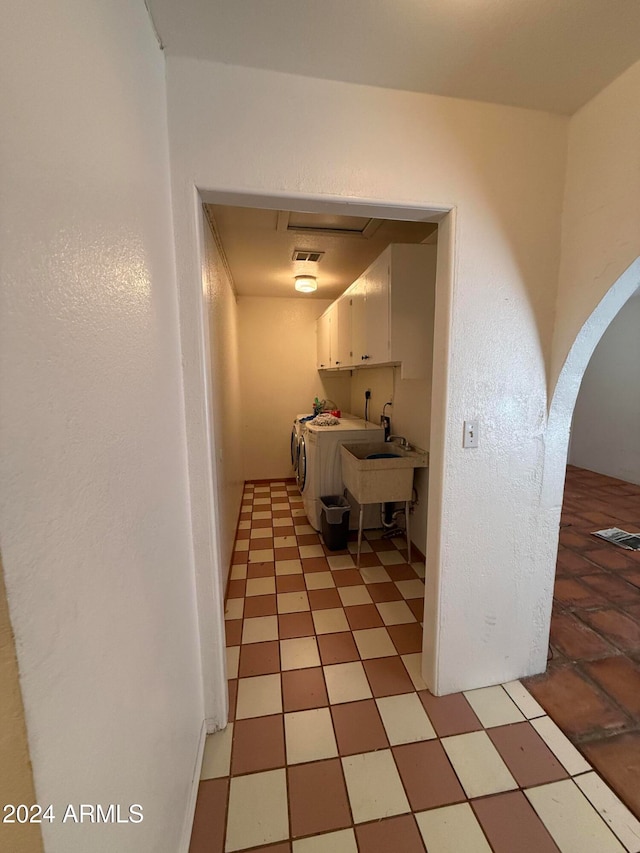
337	362
365	357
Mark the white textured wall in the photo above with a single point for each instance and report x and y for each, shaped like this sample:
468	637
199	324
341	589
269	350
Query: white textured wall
224	384
502	169
606	422
94	513
279	379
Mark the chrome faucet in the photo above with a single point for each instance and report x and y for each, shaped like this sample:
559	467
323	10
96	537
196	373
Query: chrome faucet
399	439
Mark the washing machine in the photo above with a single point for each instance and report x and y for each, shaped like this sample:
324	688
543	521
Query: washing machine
296	434
320	466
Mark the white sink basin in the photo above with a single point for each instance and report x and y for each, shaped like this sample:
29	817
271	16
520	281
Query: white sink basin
384	479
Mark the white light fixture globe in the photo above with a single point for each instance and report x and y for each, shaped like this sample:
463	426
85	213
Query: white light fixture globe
306	283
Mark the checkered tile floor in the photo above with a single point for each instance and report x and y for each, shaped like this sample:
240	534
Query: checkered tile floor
335	745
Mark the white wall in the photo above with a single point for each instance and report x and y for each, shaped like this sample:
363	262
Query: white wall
502	170
279	379
95	516
224	385
606	421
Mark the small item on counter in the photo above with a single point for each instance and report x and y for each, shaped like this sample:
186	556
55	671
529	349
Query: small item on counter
336	413
325	419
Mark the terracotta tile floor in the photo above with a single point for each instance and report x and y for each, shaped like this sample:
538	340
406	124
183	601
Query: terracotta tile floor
592	686
334	744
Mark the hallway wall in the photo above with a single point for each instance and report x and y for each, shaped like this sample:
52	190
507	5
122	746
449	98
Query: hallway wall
606	420
95	512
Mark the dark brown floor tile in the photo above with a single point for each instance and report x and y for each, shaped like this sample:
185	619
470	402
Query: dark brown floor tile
285	531
382	545
616	627
387	676
416	605
309	812
281	513
337	648
511	824
239	558
233	631
527	756
334	552
323	599
207	835
385	591
575	639
402	572
258	744
576	706
358	727
303	689
259	658
370	559
261	570
290	583
315	564
292	625
260	605
450	715
571	593
620	677
288	553
243	534
362	616
395	833
634	611
261	523
614	588
617	759
406	638
308	539
427	775
260	543
632	576
233	696
611	557
348	577
571	563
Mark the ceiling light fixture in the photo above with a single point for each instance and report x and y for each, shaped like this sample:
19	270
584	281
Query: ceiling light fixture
306	283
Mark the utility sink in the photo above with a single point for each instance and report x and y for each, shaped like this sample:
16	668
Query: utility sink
380	472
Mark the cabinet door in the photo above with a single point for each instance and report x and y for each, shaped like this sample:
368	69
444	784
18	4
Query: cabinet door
377	310
341	322
323	330
358	322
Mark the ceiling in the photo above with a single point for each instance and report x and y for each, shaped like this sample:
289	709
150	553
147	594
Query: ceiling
259	245
542	54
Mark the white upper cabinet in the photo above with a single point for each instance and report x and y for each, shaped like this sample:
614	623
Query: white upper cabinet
386	316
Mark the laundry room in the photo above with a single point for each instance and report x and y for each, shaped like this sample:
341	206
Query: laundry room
274	349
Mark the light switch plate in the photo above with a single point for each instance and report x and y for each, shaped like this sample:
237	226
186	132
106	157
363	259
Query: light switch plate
470	437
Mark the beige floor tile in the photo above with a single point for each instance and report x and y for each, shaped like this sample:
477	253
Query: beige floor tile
233	659
281	522
259	501
261	533
244	525
352	595
365	548
524	700
265	795
259	629
611	810
374	643
261	586
452	829
346	682
261	555
411	589
413	664
307	551
341	561
292	602
405	719
261	490
238	572
234	608
390	558
319	580
279	506
259	696
281	493
330	621
395	612
493	706
574	824
478	764
241	545
309	736
300	653
420	569
374	574
285	541
288	567
261	515
560	746
299	513
304	528
343	841
374	786
217	754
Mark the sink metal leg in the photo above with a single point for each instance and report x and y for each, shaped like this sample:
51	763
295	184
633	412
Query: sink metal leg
360	526
407	507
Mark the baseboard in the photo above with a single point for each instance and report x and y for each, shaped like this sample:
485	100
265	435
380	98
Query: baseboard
185	839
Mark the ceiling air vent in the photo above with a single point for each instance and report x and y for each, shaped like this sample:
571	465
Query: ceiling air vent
303	255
